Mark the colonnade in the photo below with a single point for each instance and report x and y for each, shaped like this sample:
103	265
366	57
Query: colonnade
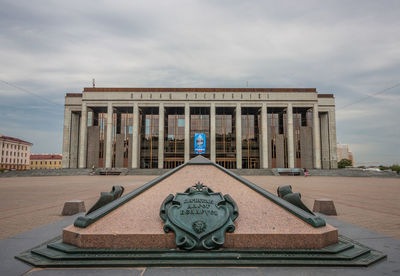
264	143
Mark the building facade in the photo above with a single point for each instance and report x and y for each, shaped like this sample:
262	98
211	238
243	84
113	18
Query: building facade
14	153
246	128
344	152
45	161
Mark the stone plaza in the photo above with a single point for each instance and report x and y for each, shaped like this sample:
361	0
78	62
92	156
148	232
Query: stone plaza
31	203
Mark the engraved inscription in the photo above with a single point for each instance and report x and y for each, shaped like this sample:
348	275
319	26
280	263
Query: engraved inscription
199	217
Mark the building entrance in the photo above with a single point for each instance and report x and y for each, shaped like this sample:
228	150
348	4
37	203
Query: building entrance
225	137
174	143
251	138
149	137
200	124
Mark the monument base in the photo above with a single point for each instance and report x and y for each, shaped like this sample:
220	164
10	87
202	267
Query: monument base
55	253
232	240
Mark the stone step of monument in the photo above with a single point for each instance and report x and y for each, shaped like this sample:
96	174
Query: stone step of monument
57	254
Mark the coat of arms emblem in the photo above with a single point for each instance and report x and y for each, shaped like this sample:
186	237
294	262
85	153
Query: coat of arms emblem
199	217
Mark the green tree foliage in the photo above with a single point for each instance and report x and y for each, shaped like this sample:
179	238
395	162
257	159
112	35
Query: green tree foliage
344	163
396	168
383	168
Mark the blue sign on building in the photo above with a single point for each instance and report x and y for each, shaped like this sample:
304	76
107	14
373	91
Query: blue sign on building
199	143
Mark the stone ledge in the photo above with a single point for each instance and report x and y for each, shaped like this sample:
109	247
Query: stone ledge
232	240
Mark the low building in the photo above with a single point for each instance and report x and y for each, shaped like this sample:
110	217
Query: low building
344	152
45	161
14	153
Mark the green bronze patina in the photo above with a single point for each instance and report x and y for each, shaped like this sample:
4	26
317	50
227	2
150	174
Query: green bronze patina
199	217
285	192
107	197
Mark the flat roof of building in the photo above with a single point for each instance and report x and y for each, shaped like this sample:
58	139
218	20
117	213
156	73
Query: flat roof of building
165	89
13	139
46	156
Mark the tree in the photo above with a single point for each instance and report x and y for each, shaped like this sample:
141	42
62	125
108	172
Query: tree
344	163
383	168
396	168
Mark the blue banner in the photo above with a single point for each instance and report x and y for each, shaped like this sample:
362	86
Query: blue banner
199	143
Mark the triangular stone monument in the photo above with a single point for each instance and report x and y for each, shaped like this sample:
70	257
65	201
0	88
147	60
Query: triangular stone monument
264	221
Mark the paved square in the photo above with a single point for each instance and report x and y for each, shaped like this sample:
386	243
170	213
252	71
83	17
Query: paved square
29	202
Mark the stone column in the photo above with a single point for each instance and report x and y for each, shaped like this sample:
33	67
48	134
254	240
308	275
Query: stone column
83	137
135	136
324	140
238	136
264	133
290	143
316	138
161	112
212	132
1	155
187	132
66	138
332	139
109	140
73	154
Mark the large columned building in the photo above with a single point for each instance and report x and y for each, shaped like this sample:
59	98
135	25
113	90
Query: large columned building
238	128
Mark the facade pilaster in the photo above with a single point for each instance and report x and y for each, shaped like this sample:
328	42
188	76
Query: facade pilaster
73	154
66	138
264	133
109	140
332	139
161	112
187	132
316	138
290	143
135	136
83	137
238	136
2	161
325	152
212	132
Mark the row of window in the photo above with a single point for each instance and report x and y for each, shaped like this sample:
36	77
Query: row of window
45	162
15	153
18	147
16	161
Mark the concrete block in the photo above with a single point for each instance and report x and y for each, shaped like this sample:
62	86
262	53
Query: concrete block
325	206
73	207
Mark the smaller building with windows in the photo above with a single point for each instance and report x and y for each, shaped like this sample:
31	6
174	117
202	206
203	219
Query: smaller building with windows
343	152
14	153
45	161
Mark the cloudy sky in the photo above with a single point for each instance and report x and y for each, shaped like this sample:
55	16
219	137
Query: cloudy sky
349	48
